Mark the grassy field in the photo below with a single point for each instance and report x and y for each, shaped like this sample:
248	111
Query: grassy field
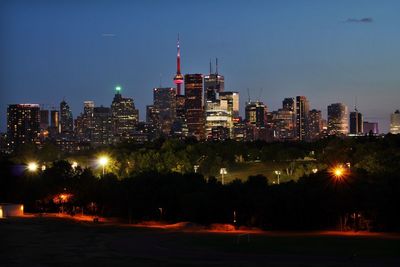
62	242
244	170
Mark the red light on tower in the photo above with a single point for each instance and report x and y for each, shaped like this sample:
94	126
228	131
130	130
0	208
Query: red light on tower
178	79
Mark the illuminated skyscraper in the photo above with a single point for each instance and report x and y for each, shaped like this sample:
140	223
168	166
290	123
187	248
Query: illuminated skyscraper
23	124
84	123
164	101
302	110
124	116
44	119
338	123
66	119
213	84
395	122
194	105
289	104
314	124
102	132
356	123
255	114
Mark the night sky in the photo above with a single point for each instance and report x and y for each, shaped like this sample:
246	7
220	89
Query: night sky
329	51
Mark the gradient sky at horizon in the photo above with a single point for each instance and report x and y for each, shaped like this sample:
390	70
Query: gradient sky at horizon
329	51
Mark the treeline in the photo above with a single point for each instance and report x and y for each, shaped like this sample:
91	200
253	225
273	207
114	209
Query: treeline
374	154
360	200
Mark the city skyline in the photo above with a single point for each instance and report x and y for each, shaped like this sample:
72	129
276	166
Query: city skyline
333	54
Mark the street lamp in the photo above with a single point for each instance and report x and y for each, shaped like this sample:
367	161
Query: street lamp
278	174
315	170
338	172
103	161
196	167
74	165
223	172
32	166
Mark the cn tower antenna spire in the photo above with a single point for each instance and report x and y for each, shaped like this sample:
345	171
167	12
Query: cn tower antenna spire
178	79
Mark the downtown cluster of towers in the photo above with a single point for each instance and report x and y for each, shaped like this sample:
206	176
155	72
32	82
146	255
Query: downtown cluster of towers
204	111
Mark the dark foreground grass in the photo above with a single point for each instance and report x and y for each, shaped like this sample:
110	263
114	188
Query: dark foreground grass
61	242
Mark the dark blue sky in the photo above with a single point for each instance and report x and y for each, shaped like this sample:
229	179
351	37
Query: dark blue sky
80	50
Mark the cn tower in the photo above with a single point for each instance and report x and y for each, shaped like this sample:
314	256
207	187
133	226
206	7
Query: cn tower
178	79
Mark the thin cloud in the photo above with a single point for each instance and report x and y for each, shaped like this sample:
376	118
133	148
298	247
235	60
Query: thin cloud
362	20
108	35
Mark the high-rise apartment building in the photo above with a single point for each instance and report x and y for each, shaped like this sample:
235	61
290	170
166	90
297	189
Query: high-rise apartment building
338	123
194	105
302	110
124	116
23	124
314	124
395	122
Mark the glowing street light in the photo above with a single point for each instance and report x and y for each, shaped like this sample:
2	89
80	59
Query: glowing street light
278	174
103	161
315	170
32	166
223	172
338	172
74	165
196	167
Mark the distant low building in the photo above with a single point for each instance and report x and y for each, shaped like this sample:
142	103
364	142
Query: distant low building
370	128
11	210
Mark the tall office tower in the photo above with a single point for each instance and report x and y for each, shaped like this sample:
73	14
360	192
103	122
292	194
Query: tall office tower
370	128
289	104
302	110
164	101
124	116
283	124
395	122
151	115
213	84
54	119
102	133
314	125
338	123
194	105
66	119
54	129
44	119
219	121
151	123
84	123
232	99
283	121
255	114
356	123
23	124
